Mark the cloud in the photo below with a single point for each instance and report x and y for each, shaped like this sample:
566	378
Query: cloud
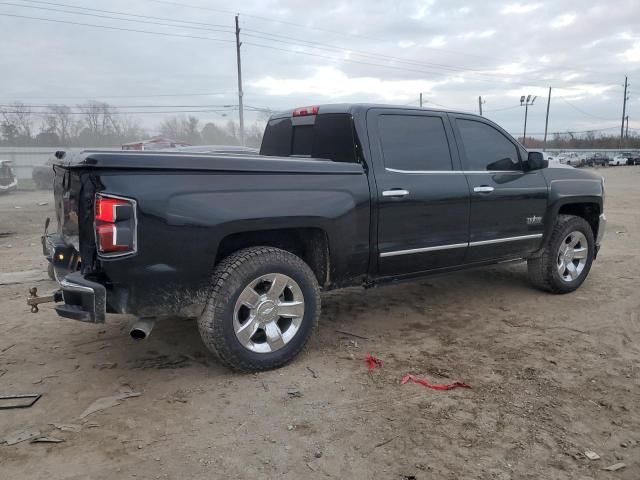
438	41
332	83
520	8
422	10
406	44
473	34
563	20
453	51
632	54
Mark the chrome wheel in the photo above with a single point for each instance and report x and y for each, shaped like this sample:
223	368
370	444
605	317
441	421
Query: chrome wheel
572	256
268	313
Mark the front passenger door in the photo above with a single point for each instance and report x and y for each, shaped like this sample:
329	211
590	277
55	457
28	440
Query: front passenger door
508	203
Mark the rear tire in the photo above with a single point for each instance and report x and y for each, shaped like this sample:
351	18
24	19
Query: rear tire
263	308
567	256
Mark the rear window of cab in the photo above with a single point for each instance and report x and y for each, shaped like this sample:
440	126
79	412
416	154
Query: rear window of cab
327	135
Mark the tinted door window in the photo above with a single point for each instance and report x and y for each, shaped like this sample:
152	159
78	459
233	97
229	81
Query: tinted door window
414	142
487	148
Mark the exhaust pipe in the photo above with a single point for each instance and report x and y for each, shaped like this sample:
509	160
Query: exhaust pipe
141	328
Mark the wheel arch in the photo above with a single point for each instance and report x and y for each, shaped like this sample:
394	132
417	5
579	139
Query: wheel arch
309	243
587	207
590	211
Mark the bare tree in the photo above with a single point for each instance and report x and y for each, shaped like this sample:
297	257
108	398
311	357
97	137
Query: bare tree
182	128
171	127
60	121
17	123
97	116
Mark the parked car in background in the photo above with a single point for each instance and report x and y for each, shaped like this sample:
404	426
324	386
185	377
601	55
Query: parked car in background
8	179
598	159
618	160
632	158
550	158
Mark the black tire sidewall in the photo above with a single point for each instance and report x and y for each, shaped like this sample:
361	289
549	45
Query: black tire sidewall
575	224
225	304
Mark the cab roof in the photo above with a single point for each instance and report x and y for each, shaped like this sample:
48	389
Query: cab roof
359	107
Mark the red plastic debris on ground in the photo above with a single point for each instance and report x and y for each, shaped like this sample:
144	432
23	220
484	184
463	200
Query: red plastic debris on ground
373	362
421	381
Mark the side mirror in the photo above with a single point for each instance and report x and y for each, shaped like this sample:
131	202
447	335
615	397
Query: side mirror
536	161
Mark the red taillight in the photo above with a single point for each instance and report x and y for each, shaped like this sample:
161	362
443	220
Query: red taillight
106	208
304	111
115	225
107	234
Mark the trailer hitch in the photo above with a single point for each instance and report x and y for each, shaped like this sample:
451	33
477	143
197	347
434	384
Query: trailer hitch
34	300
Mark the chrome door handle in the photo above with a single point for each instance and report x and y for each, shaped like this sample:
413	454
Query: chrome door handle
398	192
483	189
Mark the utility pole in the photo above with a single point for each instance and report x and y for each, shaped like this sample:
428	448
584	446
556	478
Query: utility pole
420	99
624	110
626	129
525	102
480	102
240	94
546	121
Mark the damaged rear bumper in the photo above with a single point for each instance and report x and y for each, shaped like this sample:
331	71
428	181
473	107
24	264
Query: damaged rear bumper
84	300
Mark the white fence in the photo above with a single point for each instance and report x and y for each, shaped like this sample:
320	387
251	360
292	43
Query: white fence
25	158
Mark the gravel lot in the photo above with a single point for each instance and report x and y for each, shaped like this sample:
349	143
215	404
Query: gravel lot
552	377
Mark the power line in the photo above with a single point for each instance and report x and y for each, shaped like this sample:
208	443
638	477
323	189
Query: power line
116	112
96	97
307	27
109	17
316	45
501	109
127	14
330	31
27	108
264	36
261	35
119	106
116	28
222	40
582	111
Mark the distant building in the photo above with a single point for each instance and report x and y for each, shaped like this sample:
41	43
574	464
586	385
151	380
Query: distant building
154	143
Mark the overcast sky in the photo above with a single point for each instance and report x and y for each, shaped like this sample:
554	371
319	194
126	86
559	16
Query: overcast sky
298	52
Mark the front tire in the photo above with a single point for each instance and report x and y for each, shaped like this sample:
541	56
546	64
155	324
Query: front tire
263	308
567	256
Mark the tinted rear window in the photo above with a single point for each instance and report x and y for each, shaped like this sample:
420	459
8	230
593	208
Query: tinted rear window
328	135
414	143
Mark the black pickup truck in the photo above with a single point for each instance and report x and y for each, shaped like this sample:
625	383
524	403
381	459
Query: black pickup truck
340	195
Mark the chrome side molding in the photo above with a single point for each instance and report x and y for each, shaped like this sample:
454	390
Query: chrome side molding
460	245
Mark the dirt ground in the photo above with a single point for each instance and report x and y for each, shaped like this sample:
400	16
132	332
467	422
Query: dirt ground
552	377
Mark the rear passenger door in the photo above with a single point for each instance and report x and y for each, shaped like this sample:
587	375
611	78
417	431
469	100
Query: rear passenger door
508	203
422	196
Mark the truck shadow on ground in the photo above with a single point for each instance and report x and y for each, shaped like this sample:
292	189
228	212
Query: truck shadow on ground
425	307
